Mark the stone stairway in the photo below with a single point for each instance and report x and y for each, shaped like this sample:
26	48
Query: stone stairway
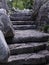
29	46
24	25
21	15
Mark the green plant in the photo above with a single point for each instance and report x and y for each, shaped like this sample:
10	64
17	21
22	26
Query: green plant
21	4
46	28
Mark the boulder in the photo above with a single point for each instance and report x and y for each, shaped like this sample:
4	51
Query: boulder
43	14
23	36
6	25
4	49
36	7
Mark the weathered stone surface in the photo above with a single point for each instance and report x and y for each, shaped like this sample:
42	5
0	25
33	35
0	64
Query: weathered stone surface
47	47
3	4
46	53
40	12
26	48
47	57
21	16
27	59
6	25
22	22
36	7
29	36
43	14
36	59
24	27
4	50
33	59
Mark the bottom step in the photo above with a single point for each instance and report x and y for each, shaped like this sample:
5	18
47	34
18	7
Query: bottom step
26	59
40	58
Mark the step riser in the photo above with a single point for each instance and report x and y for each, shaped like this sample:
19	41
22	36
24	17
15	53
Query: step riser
19	63
26	40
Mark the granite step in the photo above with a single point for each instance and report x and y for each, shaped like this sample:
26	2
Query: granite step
26	48
24	27
23	22
21	59
24	36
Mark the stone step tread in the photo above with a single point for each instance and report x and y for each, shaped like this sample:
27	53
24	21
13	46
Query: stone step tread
21	13
26	48
24	27
19	18
29	36
30	33
27	59
22	22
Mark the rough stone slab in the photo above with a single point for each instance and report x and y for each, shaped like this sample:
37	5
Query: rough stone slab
47	57
33	59
36	59
47	47
46	53
28	59
29	36
26	48
20	18
21	13
4	49
24	27
43	16
22	22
